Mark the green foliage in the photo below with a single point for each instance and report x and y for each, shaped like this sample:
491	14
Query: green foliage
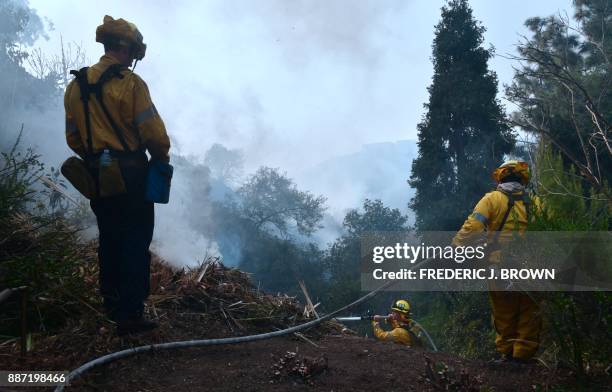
342	262
375	217
563	87
331	276
579	325
463	136
278	264
264	228
563	203
577	322
45	255
270	200
459	322
18	173
38	250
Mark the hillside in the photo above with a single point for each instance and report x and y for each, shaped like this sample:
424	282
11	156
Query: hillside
336	363
213	301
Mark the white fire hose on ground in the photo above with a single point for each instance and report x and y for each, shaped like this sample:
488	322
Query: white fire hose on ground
213	342
233	340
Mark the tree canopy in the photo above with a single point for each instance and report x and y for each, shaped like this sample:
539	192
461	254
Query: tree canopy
463	136
271	200
562	88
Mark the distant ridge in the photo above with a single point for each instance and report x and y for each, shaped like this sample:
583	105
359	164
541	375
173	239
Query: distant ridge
377	171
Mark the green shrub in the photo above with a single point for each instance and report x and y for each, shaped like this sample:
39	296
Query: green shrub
40	250
578	324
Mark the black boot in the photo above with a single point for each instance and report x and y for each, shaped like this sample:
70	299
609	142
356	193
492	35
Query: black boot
135	325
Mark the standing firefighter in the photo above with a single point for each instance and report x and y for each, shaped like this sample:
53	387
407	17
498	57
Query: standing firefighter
401	325
111	123
516	316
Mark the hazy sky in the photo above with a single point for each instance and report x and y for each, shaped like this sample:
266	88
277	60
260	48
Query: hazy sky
290	82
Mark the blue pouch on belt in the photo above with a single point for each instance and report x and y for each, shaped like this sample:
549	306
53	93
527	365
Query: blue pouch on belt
158	182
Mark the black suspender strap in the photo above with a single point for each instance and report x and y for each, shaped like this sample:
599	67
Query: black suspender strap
86	89
505	218
527	203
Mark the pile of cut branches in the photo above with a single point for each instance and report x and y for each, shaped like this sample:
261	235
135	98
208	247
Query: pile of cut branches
225	293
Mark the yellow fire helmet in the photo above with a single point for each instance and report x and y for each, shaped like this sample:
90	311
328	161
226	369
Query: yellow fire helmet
401	306
519	168
123	32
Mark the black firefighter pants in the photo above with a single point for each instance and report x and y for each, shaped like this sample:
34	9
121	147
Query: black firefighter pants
125	223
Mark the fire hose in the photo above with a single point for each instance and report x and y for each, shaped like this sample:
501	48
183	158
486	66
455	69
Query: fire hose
214	342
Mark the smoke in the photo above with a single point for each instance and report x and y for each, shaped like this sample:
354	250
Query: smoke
293	84
278	80
179	244
212	85
377	171
176	239
305	30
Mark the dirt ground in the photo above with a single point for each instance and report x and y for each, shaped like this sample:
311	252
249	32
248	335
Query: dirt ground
222	303
343	363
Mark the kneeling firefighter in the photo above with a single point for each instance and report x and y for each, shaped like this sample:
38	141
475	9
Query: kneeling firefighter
401	324
111	123
516	315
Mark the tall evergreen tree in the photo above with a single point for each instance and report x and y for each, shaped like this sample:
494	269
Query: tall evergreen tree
464	135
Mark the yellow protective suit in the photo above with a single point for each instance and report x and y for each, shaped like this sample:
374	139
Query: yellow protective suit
128	102
399	334
516	316
488	214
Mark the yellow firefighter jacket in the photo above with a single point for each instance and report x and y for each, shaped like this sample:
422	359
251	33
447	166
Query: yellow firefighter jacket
128	102
488	215
399	334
